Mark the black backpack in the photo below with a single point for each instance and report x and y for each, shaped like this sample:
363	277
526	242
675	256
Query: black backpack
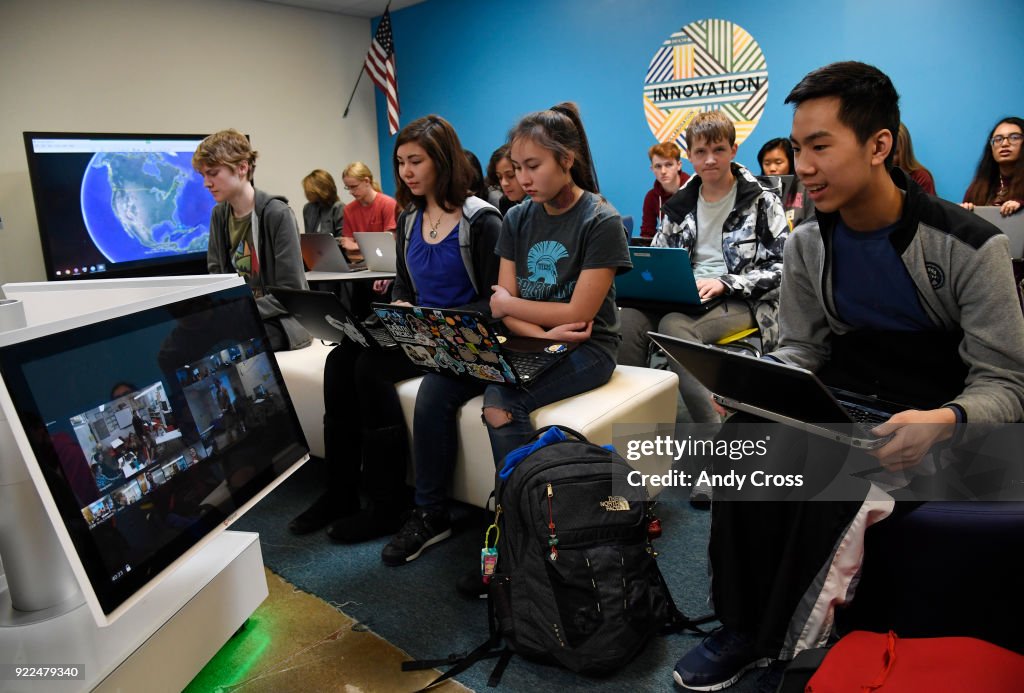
576	582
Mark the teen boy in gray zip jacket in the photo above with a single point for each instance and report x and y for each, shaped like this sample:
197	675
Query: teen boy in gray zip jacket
961	269
476	246
276	237
752	241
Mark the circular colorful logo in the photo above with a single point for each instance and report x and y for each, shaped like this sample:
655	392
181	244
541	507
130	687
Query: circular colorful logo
709	65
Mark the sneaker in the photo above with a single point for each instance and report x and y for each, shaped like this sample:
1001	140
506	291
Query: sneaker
700	496
424	528
472	585
327	508
718	662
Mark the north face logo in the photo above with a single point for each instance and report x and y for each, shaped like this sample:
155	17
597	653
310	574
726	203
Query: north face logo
935	275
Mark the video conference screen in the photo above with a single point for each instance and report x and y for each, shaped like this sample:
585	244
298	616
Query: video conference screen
152	429
118	205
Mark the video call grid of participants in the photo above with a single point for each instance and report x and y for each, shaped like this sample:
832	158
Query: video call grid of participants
137	444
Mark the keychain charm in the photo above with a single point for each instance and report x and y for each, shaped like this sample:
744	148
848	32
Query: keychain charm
489	554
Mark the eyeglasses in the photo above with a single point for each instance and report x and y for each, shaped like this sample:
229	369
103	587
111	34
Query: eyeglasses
1015	138
350	188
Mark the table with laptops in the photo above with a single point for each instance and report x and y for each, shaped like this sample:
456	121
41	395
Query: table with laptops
325	261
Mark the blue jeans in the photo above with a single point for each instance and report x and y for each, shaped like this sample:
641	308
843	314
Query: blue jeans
584	369
435	438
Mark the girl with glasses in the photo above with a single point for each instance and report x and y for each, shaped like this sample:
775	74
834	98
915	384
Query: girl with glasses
999	179
370	210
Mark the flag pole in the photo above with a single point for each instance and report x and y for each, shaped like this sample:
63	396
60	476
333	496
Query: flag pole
362	69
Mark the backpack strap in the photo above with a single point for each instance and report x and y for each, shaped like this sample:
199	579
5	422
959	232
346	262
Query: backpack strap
460	662
677	620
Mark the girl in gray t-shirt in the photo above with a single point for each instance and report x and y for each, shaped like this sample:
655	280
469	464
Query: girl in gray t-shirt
560	251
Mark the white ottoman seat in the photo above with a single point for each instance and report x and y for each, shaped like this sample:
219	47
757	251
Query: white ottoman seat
632	395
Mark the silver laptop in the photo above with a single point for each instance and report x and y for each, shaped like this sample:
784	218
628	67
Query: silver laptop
378	249
783	393
1012	226
321	253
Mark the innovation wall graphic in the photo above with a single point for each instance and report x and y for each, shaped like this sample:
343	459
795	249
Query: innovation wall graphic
707	65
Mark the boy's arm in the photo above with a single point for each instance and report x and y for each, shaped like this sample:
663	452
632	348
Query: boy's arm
804	332
283	235
770	233
993	343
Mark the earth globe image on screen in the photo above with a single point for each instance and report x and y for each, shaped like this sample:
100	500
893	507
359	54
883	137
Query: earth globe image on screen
140	205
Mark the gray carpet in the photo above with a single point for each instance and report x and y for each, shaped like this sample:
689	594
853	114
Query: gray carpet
417	608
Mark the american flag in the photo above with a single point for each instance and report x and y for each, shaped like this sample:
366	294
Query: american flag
380	65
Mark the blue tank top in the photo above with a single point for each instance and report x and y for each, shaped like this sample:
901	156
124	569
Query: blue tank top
437	270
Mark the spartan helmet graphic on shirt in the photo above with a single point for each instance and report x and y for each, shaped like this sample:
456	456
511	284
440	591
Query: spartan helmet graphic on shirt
542	261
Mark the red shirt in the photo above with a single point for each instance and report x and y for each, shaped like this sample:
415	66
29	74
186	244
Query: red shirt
655	198
378	216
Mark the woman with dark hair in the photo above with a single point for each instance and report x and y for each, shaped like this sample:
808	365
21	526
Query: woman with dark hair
904	158
365	435
501	175
999	179
559	253
323	211
776	158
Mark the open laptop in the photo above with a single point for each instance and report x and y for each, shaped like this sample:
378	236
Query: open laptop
320	253
378	250
325	317
780	392
460	343
661	278
1012	226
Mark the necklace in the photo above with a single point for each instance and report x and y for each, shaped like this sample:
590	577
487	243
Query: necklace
433	224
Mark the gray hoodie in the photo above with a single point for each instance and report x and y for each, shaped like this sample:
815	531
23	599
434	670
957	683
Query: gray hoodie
961	267
276	237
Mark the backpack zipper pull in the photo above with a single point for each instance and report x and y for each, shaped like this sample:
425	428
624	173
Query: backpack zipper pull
553	538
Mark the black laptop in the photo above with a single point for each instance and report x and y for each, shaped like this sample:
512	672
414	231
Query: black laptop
781	392
325	317
462	344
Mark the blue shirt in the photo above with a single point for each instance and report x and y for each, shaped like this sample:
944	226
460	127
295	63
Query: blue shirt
437	270
871	285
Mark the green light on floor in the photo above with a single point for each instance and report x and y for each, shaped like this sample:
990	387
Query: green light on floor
232	664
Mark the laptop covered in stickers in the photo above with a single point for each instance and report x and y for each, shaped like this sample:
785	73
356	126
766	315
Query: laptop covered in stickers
463	344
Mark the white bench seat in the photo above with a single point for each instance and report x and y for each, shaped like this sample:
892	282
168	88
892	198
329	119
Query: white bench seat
633	395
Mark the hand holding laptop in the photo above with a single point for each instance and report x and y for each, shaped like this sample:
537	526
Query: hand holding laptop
913	433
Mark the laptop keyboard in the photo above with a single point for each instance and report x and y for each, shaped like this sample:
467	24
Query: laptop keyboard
382	336
527	364
864	416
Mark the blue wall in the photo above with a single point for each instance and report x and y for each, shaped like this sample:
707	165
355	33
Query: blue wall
481	65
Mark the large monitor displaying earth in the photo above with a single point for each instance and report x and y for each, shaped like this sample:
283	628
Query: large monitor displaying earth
118	205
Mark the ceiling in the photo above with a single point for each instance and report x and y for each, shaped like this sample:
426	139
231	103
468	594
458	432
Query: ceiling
351	8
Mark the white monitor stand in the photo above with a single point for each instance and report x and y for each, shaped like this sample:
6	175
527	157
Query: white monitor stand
161	642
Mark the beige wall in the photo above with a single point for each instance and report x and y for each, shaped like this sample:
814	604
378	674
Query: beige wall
280	74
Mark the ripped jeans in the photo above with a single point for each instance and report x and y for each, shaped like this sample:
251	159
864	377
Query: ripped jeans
435	435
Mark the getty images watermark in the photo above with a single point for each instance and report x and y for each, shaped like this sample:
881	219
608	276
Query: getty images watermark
772	461
680	449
